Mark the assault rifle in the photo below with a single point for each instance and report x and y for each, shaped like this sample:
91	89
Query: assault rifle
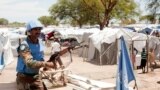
56	58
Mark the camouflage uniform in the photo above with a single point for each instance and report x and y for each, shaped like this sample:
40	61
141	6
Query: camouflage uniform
36	84
30	60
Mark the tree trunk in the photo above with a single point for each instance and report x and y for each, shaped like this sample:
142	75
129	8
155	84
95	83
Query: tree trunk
80	25
101	26
107	22
104	23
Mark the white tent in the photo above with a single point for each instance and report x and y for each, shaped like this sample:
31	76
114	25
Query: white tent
5	49
70	32
9	41
102	40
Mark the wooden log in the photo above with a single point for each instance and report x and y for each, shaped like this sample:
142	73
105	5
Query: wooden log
83	85
55	71
90	84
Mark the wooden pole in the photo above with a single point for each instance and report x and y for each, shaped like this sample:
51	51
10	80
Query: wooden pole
147	52
117	50
132	54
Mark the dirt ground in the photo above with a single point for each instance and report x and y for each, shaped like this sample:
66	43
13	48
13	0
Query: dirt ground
106	73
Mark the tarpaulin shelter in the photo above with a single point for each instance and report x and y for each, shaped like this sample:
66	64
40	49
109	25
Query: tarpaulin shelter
104	46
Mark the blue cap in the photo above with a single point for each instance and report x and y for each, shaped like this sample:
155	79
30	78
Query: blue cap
33	24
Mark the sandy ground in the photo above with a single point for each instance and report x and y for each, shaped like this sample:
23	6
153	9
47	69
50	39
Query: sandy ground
106	73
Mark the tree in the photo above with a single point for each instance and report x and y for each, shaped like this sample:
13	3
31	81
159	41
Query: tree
93	11
3	21
101	10
153	6
47	20
105	10
128	21
16	24
125	9
72	9
148	18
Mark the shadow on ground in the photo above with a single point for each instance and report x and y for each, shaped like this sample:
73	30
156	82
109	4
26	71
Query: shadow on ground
8	86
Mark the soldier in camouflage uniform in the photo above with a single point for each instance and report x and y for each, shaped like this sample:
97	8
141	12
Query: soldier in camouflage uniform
31	59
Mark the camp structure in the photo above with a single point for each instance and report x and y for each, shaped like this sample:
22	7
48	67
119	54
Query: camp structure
104	46
9	42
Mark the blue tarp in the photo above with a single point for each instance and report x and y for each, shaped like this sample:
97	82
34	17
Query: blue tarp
158	27
131	28
146	31
125	72
1	61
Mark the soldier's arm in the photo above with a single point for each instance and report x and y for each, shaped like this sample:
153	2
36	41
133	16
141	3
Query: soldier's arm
28	60
25	53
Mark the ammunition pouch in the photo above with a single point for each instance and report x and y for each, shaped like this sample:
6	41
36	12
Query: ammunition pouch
27	78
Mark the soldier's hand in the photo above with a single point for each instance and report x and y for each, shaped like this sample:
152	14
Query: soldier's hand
53	57
45	68
62	66
70	48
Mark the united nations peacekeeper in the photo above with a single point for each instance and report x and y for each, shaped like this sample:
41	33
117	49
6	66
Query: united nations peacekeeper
31	59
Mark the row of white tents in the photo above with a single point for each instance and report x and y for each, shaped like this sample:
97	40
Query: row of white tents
103	46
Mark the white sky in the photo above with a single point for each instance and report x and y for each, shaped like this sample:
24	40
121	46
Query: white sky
141	4
24	10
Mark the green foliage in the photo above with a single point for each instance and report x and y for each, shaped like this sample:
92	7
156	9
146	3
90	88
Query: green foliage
16	24
93	11
128	21
3	21
72	9
105	10
47	20
148	18
125	9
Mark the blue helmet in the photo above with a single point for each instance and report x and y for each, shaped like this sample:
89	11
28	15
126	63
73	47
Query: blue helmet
33	24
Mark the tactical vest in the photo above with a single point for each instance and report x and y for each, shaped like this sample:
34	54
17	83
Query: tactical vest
37	51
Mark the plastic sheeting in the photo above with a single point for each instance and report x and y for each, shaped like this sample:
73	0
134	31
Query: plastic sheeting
5	50
70	32
110	35
9	40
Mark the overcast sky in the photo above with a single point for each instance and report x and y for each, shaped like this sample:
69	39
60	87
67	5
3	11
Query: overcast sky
24	10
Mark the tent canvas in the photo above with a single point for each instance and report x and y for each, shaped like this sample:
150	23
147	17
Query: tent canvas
110	35
5	49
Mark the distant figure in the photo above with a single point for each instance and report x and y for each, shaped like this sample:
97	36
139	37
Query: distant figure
50	35
42	36
56	47
143	59
55	51
46	40
134	53
157	33
151	58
